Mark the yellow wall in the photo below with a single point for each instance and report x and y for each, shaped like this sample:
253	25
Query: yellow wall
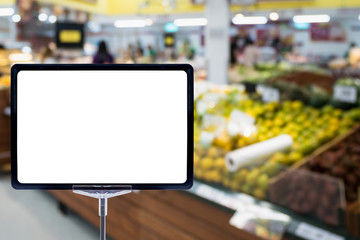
126	7
154	7
100	6
7	2
132	7
302	4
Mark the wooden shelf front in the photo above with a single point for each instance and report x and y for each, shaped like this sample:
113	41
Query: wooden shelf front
4	128
157	215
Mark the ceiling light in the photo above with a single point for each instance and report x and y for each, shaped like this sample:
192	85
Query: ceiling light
274	16
6	11
249	20
52	19
311	18
16	18
188	22
42	17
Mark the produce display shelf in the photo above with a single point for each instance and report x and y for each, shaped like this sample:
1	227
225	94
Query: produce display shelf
229	201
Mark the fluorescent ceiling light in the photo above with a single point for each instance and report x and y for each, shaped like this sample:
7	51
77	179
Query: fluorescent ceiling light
274	16
42	17
311	18
189	22
6	11
359	17
238	20
52	19
16	18
135	23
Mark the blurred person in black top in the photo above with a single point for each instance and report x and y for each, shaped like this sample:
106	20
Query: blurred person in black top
238	44
102	55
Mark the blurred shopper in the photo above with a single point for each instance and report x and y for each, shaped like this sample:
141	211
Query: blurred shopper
47	55
130	54
276	43
242	40
286	45
151	53
354	57
173	57
139	50
233	52
189	50
252	54
351	47
102	55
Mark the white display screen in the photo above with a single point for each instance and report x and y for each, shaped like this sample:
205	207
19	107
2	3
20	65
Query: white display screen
86	127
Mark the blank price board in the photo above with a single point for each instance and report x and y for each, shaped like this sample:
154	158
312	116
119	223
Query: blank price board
102	125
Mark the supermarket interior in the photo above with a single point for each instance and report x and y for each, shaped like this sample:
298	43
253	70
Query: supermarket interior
276	116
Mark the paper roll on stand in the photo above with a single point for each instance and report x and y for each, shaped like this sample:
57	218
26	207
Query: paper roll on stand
257	153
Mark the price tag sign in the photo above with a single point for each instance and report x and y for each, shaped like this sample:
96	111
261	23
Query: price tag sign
260	88
310	232
346	94
270	94
260	221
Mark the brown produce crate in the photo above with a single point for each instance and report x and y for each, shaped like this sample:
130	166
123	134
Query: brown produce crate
353	219
303	78
298	182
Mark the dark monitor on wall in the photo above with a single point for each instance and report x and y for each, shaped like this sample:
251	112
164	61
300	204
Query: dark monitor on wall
69	35
102	125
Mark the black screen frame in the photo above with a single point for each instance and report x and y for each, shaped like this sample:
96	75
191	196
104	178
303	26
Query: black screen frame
104	67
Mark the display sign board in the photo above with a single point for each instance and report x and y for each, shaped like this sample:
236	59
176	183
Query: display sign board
170	27
169	40
260	221
346	94
333	31
69	35
270	94
102	125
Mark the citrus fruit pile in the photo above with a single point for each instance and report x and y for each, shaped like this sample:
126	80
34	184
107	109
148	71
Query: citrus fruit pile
309	127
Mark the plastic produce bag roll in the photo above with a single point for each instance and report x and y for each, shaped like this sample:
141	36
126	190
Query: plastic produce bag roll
257	153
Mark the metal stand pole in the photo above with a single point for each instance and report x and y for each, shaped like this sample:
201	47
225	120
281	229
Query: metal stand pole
102	214
102	193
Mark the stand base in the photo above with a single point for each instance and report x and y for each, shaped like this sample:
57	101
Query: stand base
102	193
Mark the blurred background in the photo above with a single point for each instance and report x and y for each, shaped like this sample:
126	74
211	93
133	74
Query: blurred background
277	114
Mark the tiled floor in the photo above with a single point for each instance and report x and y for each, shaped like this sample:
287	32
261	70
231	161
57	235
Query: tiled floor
28	214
